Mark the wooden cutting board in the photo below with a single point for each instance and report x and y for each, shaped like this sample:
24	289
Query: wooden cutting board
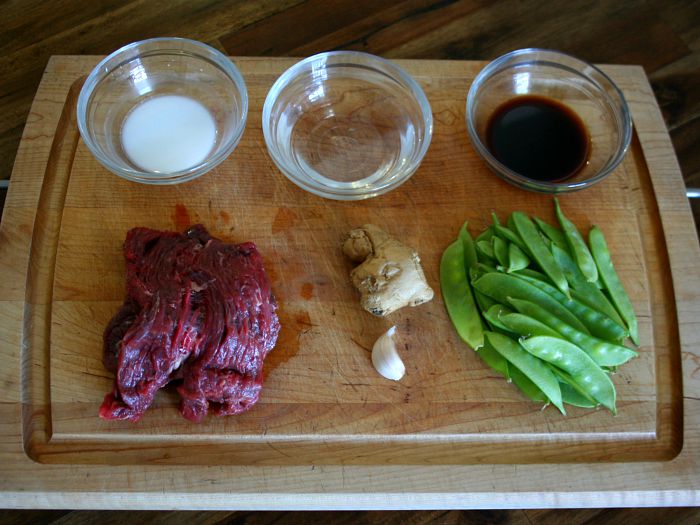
323	403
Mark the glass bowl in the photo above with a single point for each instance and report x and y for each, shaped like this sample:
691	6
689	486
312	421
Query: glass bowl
347	125
579	86
163	111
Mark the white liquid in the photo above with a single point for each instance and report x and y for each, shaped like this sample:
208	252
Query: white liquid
168	133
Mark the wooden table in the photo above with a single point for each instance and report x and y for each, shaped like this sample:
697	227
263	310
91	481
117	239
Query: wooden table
48	168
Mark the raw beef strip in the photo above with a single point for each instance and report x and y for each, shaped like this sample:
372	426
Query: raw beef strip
197	309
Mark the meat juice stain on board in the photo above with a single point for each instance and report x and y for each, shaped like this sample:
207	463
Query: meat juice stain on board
293	326
285	219
539	138
307	291
181	217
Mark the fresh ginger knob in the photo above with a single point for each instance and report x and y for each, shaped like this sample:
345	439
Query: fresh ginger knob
390	276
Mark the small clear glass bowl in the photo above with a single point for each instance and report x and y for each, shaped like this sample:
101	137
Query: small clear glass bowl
347	125
152	68
582	87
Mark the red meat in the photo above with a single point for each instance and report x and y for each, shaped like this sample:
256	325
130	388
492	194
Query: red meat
197	310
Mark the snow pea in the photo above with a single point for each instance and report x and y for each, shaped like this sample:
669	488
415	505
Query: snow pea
554	234
602	352
612	283
574	361
535	369
577	246
571	393
535	275
500	250
468	247
494	360
536	246
483	301
501	287
509	235
526	386
484	251
493	316
517	260
525	325
480	269
458	298
486	235
582	290
595	322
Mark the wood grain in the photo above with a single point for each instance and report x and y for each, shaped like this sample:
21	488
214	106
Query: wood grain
57	178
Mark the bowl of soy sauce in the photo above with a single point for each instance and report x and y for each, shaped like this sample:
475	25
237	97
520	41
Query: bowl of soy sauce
547	121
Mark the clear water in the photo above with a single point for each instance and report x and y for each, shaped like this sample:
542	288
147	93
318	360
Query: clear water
346	135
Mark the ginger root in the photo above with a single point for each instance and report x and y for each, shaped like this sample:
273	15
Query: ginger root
390	276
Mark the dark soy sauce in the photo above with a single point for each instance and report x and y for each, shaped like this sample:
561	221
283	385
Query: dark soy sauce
538	138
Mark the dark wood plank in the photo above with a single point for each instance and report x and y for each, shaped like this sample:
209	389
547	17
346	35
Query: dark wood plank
31	517
653	516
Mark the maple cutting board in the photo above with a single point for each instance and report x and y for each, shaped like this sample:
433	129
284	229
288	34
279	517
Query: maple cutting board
323	404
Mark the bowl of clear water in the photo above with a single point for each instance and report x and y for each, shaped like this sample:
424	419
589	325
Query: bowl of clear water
163	110
347	125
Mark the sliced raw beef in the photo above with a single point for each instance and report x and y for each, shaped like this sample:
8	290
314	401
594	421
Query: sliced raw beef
197	310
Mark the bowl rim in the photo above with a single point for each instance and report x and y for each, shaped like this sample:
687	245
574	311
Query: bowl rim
498	65
415	90
209	54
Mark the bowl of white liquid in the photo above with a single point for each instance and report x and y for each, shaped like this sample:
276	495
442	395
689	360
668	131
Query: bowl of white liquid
163	111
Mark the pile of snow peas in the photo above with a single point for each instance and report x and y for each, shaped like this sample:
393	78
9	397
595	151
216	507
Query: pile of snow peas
542	307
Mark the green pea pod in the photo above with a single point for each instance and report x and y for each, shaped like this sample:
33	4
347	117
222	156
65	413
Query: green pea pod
571	270
612	283
574	361
535	245
501	287
537	371
571	393
571	396
602	352
595	322
457	295
484	252
577	246
535	275
493	316
486	235
480	269
517	260
470	259
582	290
494	360
553	234
527	387
483	301
509	235
525	325
500	250
494	218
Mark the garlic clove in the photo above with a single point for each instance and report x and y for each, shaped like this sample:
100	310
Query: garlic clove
385	358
